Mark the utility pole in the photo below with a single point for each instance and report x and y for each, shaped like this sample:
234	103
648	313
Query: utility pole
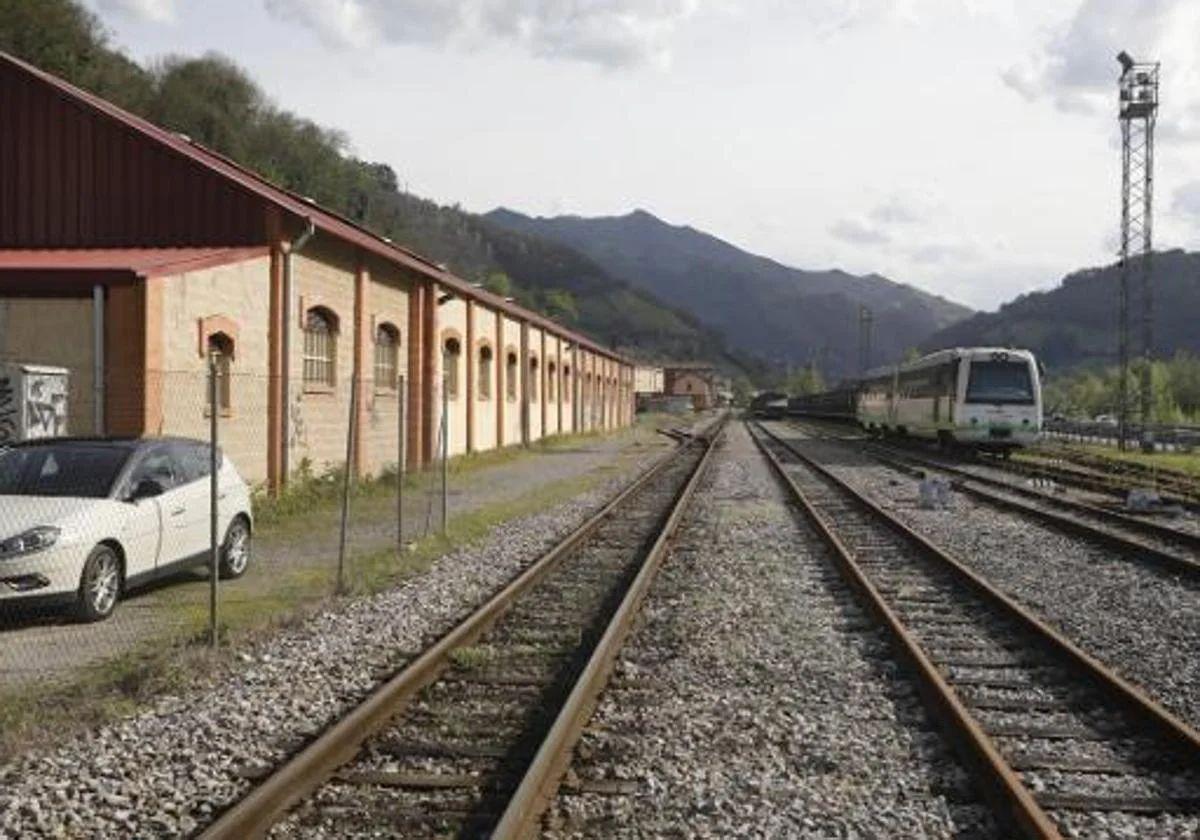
866	320
1138	111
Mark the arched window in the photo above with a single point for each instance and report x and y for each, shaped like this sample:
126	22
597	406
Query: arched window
320	347
387	354
551	382
451	351
510	376
566	389
220	348
485	372
533	379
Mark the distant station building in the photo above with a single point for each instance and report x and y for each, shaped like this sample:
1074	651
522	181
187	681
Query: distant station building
647	379
698	381
130	256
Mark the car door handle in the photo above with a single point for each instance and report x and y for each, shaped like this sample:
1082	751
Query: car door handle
179	511
222	495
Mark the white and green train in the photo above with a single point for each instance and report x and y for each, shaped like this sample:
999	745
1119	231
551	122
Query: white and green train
982	397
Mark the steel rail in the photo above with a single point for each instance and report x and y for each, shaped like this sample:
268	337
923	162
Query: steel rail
298	777
1175	562
541	781
1186	483
1117	481
1118	484
1110	539
1002	787
973	742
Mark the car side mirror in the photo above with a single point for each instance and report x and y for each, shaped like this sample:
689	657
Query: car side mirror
147	488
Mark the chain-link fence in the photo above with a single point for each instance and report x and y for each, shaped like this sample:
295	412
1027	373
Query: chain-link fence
1167	437
113	520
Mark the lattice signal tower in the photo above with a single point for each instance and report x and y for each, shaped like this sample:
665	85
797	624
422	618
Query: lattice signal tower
1138	97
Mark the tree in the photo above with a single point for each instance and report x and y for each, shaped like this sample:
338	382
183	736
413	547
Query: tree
807	381
499	283
561	304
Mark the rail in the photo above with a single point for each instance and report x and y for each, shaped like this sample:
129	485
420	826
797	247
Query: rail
299	777
1002	785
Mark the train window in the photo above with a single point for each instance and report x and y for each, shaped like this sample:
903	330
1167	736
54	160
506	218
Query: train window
999	382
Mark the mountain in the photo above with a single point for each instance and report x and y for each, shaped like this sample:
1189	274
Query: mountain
1076	323
762	307
218	105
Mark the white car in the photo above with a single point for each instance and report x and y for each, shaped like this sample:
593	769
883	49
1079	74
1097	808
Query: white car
83	520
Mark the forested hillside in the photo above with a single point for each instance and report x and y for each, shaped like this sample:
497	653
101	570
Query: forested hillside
1076	324
218	105
791	316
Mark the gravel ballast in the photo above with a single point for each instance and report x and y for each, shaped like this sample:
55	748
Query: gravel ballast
756	699
1140	622
164	772
1143	623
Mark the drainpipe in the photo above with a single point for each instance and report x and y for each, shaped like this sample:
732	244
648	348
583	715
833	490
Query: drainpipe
294	247
98	390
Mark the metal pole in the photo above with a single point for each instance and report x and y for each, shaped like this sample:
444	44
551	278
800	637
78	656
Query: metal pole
98	360
350	435
400	466
445	446
214	548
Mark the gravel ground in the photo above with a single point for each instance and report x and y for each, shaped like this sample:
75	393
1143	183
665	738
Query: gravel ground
756	700
1142	623
161	773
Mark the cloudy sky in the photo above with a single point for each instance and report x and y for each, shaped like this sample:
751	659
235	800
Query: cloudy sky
968	147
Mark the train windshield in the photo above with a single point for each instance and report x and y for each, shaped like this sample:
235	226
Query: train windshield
1000	382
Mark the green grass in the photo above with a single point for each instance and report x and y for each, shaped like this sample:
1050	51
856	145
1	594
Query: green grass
265	600
1187	463
471	657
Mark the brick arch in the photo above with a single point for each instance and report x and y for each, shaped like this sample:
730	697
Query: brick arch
211	325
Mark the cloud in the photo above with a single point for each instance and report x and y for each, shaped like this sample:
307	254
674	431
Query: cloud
609	33
897	211
1186	201
858	233
1075	67
158	11
938	253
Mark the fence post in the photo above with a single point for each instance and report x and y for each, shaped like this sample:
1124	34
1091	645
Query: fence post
350	435
214	568
400	466
445	445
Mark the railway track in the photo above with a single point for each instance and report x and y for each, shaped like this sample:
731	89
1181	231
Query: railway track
1116	482
1170	549
1118	475
1059	744
1093	474
471	738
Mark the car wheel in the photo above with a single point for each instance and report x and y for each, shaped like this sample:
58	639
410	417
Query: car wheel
99	584
235	551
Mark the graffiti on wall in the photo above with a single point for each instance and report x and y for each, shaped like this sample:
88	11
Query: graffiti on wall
33	403
45	405
297	431
9	409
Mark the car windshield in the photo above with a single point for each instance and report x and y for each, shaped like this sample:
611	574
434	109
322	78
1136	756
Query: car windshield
59	469
1000	382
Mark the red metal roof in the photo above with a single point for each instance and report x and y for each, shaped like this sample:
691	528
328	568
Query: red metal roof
144	262
301	207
